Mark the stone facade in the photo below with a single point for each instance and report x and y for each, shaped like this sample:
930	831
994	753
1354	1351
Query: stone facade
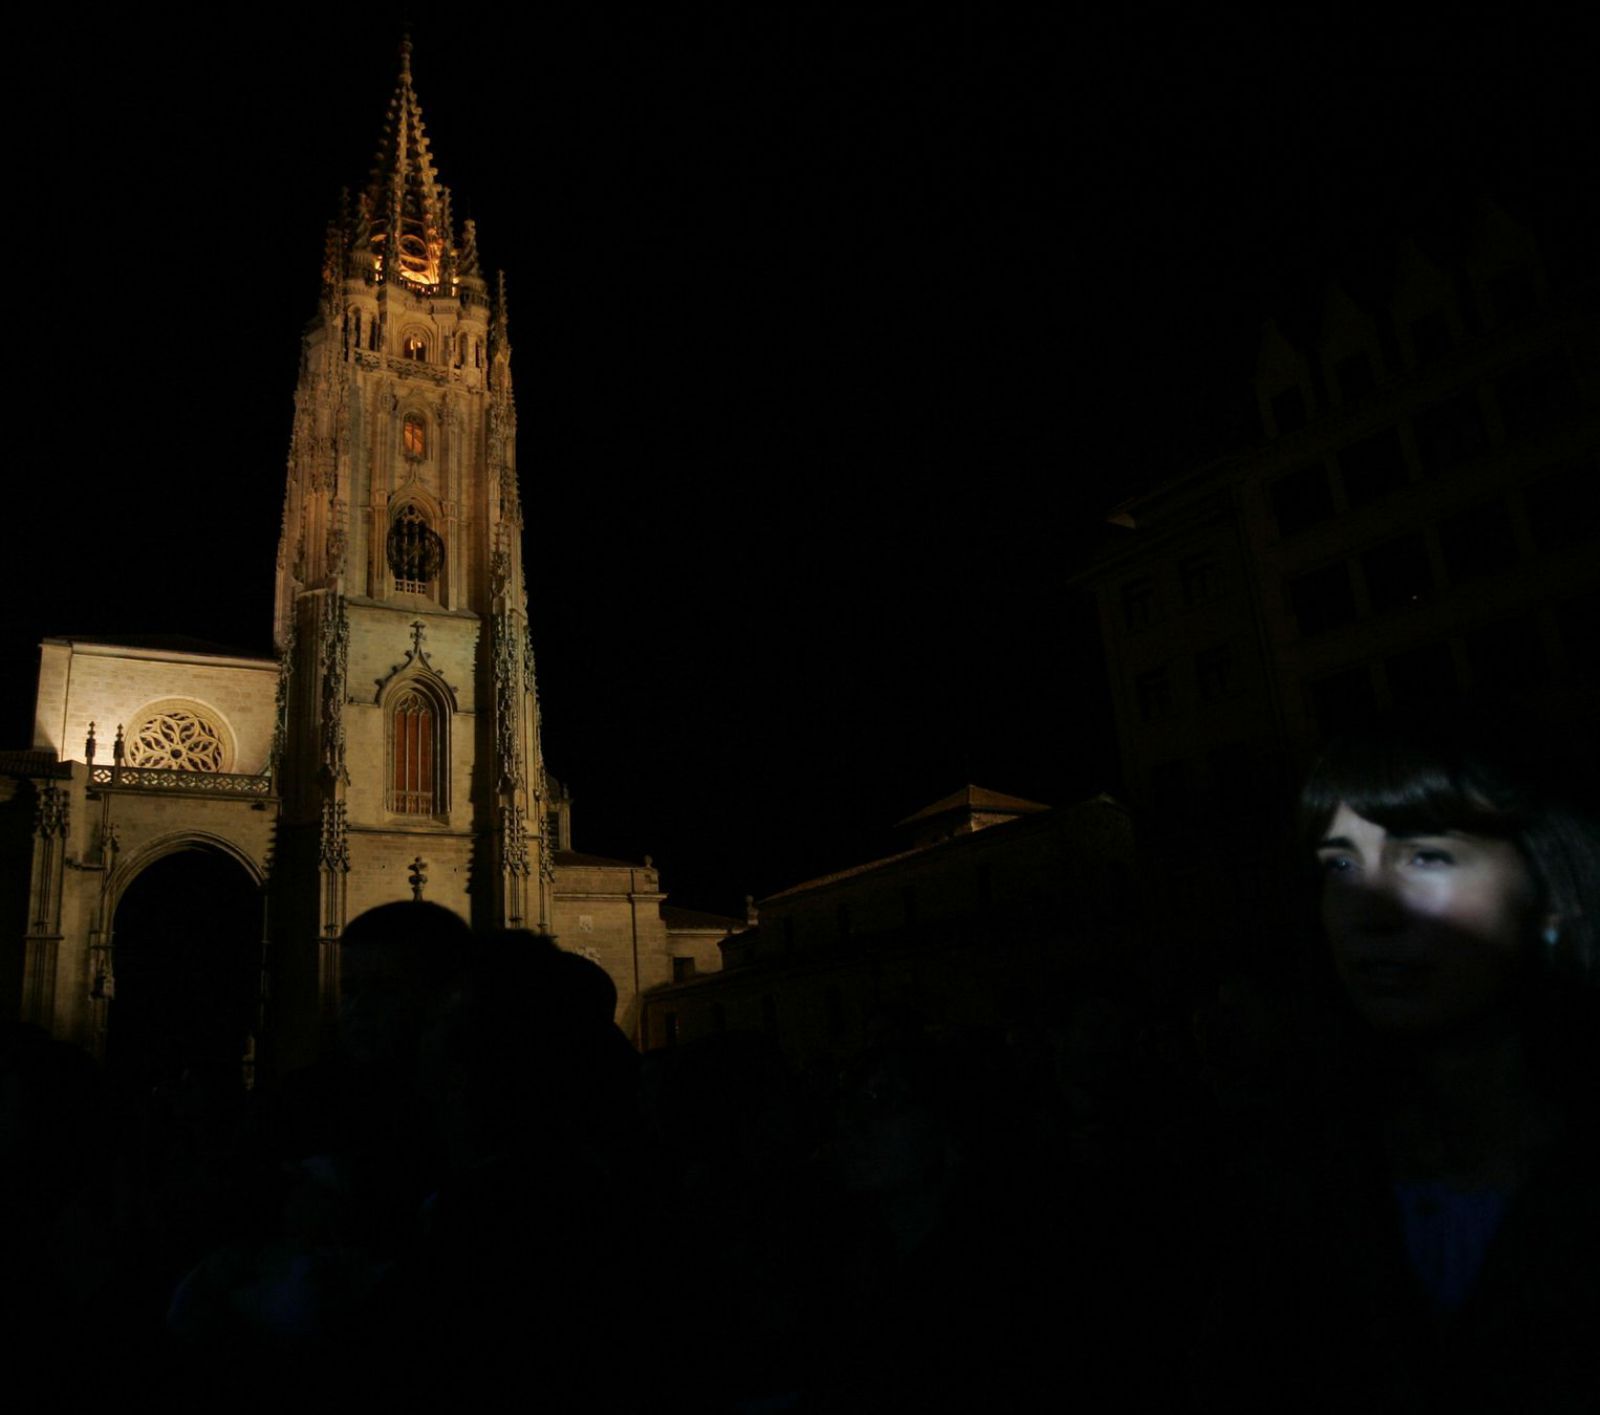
391	749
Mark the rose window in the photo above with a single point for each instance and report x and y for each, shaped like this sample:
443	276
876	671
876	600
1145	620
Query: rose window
177	741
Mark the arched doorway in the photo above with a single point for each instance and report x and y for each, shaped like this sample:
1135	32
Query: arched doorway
186	955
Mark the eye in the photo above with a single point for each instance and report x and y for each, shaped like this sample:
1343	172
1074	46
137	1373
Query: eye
1429	858
1336	865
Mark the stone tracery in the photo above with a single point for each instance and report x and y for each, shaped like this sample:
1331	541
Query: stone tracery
178	739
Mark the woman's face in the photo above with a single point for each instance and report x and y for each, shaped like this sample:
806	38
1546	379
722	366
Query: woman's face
1428	931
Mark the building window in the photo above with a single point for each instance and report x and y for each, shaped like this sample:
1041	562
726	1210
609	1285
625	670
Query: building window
1169	780
1322	599
1513	294
1537	396
1288	410
670	1021
1576	618
1138	602
1561	507
1450	433
1301	499
682	969
1235	782
1478	542
416	781
414	436
552	829
1355	378
833	1007
1199	577
1397	573
1372	467
416	553
1342	700
1430	337
415	348
1509	653
1420	675
1214	672
1153	694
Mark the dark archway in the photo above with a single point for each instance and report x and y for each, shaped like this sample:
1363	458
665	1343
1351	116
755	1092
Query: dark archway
186	951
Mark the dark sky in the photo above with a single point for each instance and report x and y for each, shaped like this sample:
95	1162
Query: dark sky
836	331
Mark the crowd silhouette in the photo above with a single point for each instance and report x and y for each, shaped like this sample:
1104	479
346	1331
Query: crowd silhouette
1364	1184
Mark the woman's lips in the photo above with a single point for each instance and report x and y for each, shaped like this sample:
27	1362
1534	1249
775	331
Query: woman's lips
1391	974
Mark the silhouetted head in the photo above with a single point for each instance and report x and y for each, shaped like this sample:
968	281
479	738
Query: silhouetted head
1459	855
394	961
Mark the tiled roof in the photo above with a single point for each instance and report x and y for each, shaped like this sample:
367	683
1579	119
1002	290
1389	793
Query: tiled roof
676	918
853	870
32	762
976	798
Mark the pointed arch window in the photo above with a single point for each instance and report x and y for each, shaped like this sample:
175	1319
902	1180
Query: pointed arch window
415	347
414	436
418	755
416	551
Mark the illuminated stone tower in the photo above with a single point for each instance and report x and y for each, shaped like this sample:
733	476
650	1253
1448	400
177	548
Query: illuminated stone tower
408	752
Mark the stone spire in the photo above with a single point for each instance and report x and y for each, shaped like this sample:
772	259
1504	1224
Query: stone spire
407	209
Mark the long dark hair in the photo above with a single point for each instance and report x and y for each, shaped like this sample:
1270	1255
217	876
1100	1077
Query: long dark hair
1494	771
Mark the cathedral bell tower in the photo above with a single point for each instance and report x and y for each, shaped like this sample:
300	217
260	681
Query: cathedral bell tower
407	747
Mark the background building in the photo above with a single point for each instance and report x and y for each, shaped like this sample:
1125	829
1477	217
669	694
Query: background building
994	909
1417	519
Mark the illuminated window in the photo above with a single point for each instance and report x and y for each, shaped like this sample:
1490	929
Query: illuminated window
416	347
417	752
416	553
416	436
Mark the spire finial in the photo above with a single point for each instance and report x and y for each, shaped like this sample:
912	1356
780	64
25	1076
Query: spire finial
405	54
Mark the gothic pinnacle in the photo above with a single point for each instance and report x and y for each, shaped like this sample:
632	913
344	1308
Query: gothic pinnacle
502	312
408	207
467	261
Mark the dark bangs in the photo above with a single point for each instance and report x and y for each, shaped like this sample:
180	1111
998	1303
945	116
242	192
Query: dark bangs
1421	775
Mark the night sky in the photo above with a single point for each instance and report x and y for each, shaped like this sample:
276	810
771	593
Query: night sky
836	331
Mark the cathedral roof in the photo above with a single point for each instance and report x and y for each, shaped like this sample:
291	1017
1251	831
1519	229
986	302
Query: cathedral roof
675	918
577	857
165	644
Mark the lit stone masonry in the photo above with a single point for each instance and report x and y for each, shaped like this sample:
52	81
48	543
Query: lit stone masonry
389	747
